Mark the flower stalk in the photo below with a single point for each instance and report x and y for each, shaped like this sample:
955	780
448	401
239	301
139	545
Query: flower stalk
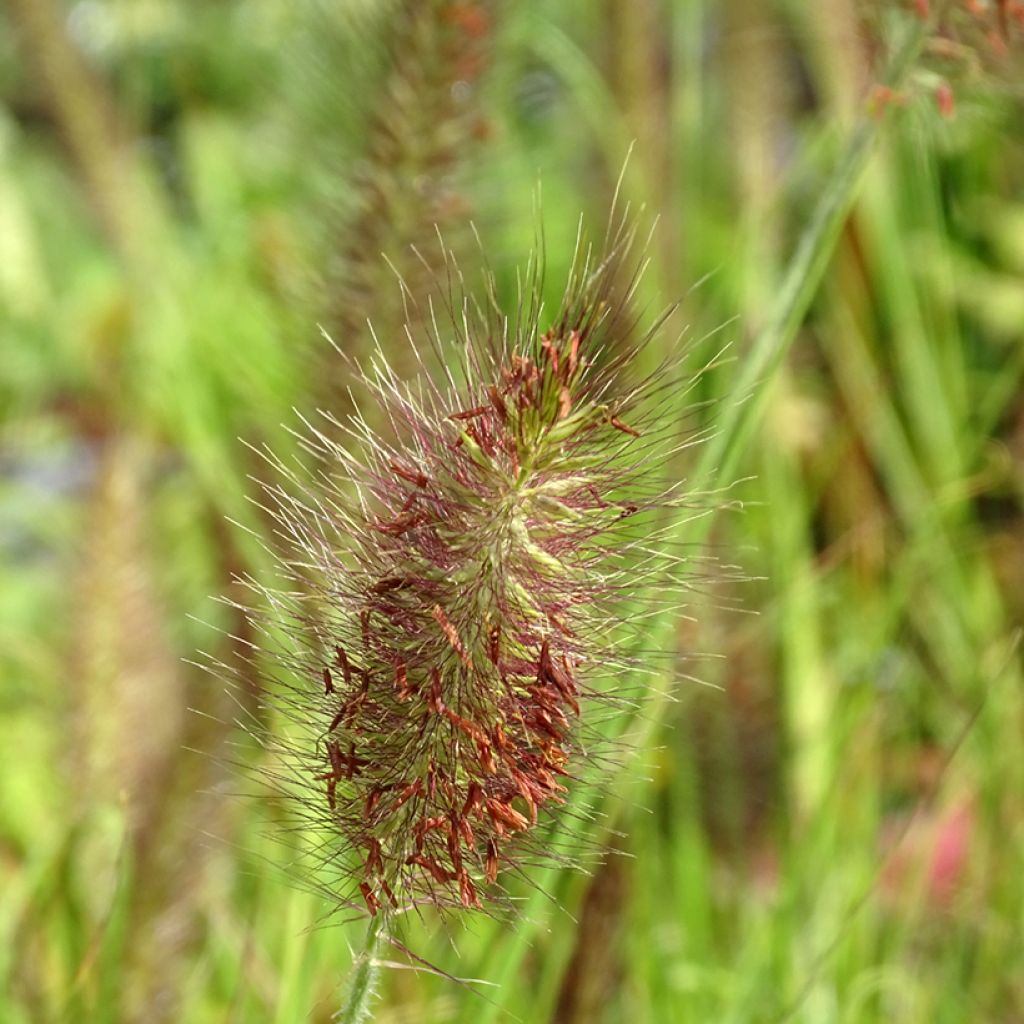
363	977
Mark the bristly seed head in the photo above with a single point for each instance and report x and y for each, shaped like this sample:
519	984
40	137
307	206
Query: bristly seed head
453	585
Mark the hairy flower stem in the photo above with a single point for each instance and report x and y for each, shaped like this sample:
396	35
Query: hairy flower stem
363	978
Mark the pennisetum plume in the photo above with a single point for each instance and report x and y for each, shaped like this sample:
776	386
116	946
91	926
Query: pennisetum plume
457	587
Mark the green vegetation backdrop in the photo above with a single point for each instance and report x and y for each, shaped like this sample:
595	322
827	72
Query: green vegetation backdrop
823	820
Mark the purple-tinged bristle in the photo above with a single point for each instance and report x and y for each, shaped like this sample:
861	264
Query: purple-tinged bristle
452	582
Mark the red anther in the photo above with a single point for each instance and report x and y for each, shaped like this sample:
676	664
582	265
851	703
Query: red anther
453	851
487	761
492	861
408	793
452	634
352	763
388	891
342	660
551	352
348	711
574	349
541	722
499	405
403	524
474	798
428	824
413	476
467	892
435	869
389	583
328	681
434	701
564	403
494	643
471	729
402	681
374	859
372	800
543	660
624	427
501	741
526	792
503	814
469	414
371	901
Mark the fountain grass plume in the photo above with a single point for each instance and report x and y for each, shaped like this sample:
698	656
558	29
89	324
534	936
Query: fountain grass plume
463	566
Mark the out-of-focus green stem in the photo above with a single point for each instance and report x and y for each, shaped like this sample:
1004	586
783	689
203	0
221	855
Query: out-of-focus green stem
362	981
803	275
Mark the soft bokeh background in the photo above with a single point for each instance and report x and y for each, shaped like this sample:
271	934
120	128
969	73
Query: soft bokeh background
833	829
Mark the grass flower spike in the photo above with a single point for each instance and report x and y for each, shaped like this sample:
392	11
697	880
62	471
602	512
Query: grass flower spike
455	588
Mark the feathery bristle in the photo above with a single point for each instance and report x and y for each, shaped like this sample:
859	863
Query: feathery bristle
453	590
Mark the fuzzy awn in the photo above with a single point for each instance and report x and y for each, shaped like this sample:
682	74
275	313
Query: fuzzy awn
454	588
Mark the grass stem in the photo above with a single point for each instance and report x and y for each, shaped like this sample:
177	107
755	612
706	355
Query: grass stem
362	981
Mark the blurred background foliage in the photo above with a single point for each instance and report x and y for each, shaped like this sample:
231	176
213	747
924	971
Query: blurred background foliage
833	830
